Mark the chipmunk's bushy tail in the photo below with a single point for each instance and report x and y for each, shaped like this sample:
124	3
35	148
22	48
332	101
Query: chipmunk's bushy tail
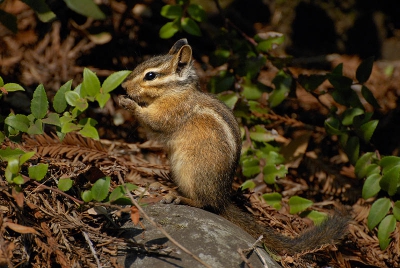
331	231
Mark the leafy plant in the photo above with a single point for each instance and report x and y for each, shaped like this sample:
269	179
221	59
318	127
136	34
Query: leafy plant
184	16
382	175
15	158
68	105
100	192
86	8
65	120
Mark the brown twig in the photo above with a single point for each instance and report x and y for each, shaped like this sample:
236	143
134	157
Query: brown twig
244	258
162	230
89	242
80	202
245	36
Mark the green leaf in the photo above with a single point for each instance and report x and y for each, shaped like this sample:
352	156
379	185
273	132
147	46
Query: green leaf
251	166
317	217
259	133
19	122
229	98
257	107
69	127
388	162
378	211
272	172
349	115
117	193
82	104
373	169
18	179
64	184
371	186
191	27
41	8
251	91
168	30
352	149
197	12
248	184
7	154
271	43
11	87
364	70
311	82
9	20
59	101
298	204
86	8
171	11
90	132
362	163
102	99
341	83
114	80
90	84
366	130
52	119
25	157
13	166
87	196
72	98
332	126
385	229
252	67
390	180
2	137
100	189
270	157
338	70
369	97
36	128
396	210
273	199
1	82
282	82
8	174
38	172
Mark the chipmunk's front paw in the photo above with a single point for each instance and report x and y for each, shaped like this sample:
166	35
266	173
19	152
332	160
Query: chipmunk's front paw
127	103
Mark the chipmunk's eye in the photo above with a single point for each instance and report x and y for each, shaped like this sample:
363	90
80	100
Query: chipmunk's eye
150	76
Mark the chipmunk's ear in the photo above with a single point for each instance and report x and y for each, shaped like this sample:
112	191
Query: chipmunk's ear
182	56
177	46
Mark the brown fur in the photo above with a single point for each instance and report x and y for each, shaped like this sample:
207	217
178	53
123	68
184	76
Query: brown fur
203	142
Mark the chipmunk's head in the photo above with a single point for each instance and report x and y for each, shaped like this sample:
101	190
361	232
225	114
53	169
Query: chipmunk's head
166	74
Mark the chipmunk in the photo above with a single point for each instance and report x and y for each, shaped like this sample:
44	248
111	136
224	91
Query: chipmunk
203	142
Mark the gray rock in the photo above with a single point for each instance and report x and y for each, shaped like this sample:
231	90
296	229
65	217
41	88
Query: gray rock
210	237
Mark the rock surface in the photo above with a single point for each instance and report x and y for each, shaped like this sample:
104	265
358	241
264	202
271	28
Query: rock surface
210	237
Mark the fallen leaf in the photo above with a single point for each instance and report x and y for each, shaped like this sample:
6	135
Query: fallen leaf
20	228
19	197
135	216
